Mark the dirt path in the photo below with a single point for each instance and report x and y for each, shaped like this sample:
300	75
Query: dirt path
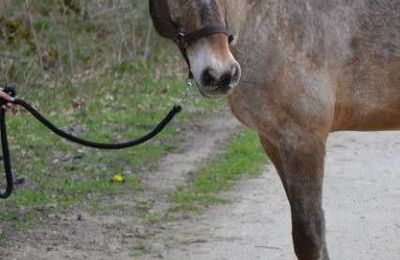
362	193
117	231
361	201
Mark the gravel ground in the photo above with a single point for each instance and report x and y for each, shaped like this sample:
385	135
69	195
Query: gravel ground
361	202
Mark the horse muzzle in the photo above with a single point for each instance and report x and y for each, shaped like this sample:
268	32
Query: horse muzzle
214	83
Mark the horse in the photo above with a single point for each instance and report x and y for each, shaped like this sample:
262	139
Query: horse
294	71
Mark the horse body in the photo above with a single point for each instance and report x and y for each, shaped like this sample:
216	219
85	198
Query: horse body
336	64
309	68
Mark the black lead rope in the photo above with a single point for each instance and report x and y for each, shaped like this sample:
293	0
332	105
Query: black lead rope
107	146
6	157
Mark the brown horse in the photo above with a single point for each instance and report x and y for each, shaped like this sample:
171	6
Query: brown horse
308	68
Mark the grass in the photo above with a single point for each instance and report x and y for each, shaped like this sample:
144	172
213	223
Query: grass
99	72
243	157
153	217
96	77
62	174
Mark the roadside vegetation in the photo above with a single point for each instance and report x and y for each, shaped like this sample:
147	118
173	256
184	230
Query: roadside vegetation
97	69
243	157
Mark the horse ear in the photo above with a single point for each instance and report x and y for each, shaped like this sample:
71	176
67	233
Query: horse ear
162	20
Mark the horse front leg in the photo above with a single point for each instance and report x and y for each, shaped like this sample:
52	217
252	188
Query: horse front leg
299	160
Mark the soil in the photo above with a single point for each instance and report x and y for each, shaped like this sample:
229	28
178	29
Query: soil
361	202
118	230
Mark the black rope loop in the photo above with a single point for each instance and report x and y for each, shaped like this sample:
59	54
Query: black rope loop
106	146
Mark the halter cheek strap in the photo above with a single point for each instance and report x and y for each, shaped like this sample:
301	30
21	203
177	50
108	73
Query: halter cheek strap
167	27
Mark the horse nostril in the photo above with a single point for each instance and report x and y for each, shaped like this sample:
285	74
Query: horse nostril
226	79
230	78
208	78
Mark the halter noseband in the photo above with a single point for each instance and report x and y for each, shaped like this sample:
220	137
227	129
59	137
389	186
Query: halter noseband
184	39
168	28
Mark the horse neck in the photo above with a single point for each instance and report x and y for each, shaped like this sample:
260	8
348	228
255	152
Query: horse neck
238	12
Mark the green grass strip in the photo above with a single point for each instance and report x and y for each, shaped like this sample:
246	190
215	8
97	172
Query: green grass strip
244	157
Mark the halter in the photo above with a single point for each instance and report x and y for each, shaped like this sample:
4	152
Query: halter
168	28
184	39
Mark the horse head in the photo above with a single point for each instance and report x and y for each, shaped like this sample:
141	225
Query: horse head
199	29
